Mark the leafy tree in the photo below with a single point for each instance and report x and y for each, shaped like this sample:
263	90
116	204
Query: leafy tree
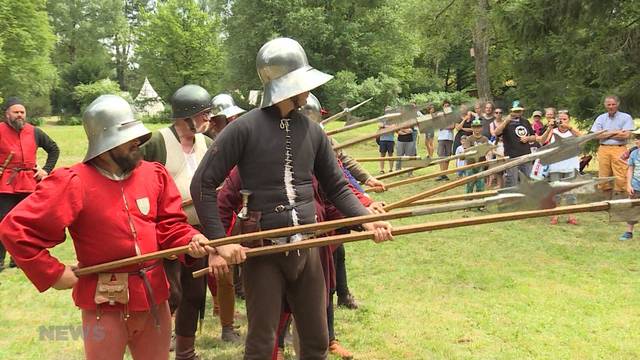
84	94
25	66
365	38
572	53
179	44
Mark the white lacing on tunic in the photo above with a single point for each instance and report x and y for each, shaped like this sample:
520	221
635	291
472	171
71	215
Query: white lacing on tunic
288	177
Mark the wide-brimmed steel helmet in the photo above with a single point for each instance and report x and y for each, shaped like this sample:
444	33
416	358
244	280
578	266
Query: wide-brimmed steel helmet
223	104
285	71
108	122
188	101
312	109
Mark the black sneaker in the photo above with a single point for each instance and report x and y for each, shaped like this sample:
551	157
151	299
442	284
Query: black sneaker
12	264
445	178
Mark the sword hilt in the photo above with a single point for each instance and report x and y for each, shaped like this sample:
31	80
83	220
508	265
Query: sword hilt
244	212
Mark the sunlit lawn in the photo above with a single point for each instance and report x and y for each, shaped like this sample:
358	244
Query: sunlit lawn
514	290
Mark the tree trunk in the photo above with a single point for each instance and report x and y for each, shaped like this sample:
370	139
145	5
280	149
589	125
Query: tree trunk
481	51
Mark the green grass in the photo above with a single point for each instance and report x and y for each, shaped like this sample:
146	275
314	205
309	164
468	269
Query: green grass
517	290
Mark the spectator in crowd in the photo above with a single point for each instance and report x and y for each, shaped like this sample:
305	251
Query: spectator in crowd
476	138
461	162
386	143
463	127
565	169
517	135
537	125
487	118
633	181
429	135
445	143
406	145
550	115
613	141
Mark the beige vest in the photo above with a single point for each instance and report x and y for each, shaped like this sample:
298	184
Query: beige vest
178	169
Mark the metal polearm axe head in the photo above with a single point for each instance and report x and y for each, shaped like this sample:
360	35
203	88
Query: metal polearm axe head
567	147
589	192
425	123
472	155
344	111
244	212
539	194
475	153
422	162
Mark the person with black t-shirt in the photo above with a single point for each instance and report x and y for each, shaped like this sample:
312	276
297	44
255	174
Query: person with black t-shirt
464	126
517	134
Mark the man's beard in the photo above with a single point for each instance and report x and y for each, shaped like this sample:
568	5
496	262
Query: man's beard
127	162
17	124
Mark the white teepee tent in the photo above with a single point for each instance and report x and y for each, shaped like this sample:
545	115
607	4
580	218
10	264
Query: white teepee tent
148	102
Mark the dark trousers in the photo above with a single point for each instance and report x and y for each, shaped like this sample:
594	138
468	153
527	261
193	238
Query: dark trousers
8	202
298	278
186	294
342	288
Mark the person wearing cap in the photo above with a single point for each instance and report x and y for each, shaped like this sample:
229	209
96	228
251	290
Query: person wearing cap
476	138
115	206
223	111
517	136
537	125
279	173
180	148
618	126
445	143
19	172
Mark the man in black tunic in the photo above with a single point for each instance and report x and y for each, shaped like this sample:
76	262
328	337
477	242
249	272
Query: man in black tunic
277	151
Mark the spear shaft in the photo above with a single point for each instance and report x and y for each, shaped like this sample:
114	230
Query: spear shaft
429	226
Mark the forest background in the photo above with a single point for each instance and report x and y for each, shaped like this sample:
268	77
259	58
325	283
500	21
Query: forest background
59	54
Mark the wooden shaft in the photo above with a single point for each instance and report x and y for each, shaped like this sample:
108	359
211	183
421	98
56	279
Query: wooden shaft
414	168
429	226
274	233
308	228
363	138
397	172
6	162
371	159
462	197
361	124
455	183
433	175
341	113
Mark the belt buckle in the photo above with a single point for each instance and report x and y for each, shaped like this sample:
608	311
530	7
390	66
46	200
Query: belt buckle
280	208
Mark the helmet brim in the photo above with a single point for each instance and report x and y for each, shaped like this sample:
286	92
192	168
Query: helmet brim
296	82
130	131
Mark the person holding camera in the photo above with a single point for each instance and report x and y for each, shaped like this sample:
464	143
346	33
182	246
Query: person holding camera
565	169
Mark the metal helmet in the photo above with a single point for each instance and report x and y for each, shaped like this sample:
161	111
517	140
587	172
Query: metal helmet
223	104
312	109
188	101
285	71
108	122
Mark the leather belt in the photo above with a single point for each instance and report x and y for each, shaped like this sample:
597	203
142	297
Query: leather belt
286	239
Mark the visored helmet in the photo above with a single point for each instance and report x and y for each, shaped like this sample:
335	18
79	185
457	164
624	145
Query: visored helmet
223	104
188	101
285	71
108	122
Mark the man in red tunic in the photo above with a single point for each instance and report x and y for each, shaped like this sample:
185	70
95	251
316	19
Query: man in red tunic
19	142
114	206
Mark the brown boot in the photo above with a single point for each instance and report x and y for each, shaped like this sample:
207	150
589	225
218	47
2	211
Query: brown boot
185	348
336	349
